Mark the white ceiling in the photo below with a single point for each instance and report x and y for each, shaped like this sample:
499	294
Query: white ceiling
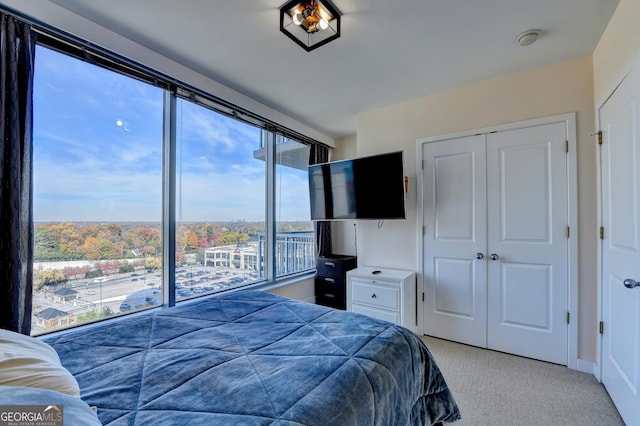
389	51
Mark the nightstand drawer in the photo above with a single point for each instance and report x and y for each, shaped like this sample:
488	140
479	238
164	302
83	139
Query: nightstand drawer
336	268
381	314
380	296
330	285
331	300
387	294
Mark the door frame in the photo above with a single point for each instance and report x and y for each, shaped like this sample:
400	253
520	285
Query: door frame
635	62
572	183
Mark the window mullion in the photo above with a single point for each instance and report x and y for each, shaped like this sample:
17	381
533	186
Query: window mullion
169	199
270	249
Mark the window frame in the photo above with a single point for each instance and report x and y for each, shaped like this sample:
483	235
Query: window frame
174	89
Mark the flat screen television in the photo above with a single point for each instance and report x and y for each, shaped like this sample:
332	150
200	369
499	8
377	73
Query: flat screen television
362	188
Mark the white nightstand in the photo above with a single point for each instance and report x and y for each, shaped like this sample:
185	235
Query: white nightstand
387	294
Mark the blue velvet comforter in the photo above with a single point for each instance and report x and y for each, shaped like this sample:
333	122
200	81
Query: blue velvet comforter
253	358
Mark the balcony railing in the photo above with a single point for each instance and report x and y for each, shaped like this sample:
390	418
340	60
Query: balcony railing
295	252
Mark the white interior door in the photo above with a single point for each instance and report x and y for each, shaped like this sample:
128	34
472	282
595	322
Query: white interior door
454	209
527	242
620	180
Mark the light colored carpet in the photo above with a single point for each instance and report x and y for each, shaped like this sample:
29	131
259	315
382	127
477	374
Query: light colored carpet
493	388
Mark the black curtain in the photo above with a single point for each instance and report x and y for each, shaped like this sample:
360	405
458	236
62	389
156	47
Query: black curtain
17	51
320	154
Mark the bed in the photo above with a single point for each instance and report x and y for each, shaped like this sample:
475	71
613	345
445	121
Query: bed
254	358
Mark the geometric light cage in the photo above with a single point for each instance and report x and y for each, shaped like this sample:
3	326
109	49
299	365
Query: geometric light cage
310	23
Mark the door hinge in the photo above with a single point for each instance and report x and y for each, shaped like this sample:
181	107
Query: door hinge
423	297
568	231
568	317
424	230
602	232
422	164
601	327
566	146
599	134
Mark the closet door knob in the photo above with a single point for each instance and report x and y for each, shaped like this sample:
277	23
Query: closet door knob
493	256
631	283
479	256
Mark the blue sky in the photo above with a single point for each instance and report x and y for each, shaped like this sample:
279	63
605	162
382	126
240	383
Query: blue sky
98	153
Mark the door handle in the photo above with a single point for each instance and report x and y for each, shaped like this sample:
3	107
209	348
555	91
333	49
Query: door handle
493	256
631	283
479	256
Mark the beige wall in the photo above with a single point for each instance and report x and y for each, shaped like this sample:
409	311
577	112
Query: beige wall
345	148
556	89
301	290
618	46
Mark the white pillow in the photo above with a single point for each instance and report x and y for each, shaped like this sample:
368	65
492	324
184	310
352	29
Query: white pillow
27	361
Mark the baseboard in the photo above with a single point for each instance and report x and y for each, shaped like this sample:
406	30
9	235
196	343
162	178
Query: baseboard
585	366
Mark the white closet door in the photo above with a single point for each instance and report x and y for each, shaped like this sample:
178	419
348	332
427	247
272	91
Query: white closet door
455	230
620	178
527	243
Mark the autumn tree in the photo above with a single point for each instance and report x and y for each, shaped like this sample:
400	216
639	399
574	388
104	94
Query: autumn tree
149	251
90	248
99	249
145	236
109	266
67	235
153	263
229	238
48	278
139	263
48	247
73	272
192	242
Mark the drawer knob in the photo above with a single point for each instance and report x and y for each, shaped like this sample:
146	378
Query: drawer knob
373	296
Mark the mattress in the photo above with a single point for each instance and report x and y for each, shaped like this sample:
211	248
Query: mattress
254	358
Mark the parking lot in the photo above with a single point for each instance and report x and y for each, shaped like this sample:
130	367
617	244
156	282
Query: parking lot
120	293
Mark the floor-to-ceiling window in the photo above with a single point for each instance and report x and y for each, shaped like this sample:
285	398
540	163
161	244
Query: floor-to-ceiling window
294	242
97	192
240	195
221	201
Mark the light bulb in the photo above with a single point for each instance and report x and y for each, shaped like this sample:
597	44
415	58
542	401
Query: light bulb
323	24
297	18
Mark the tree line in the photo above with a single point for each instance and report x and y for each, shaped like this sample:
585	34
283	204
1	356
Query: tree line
109	241
95	241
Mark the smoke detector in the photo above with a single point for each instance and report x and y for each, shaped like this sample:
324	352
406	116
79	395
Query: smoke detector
528	37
